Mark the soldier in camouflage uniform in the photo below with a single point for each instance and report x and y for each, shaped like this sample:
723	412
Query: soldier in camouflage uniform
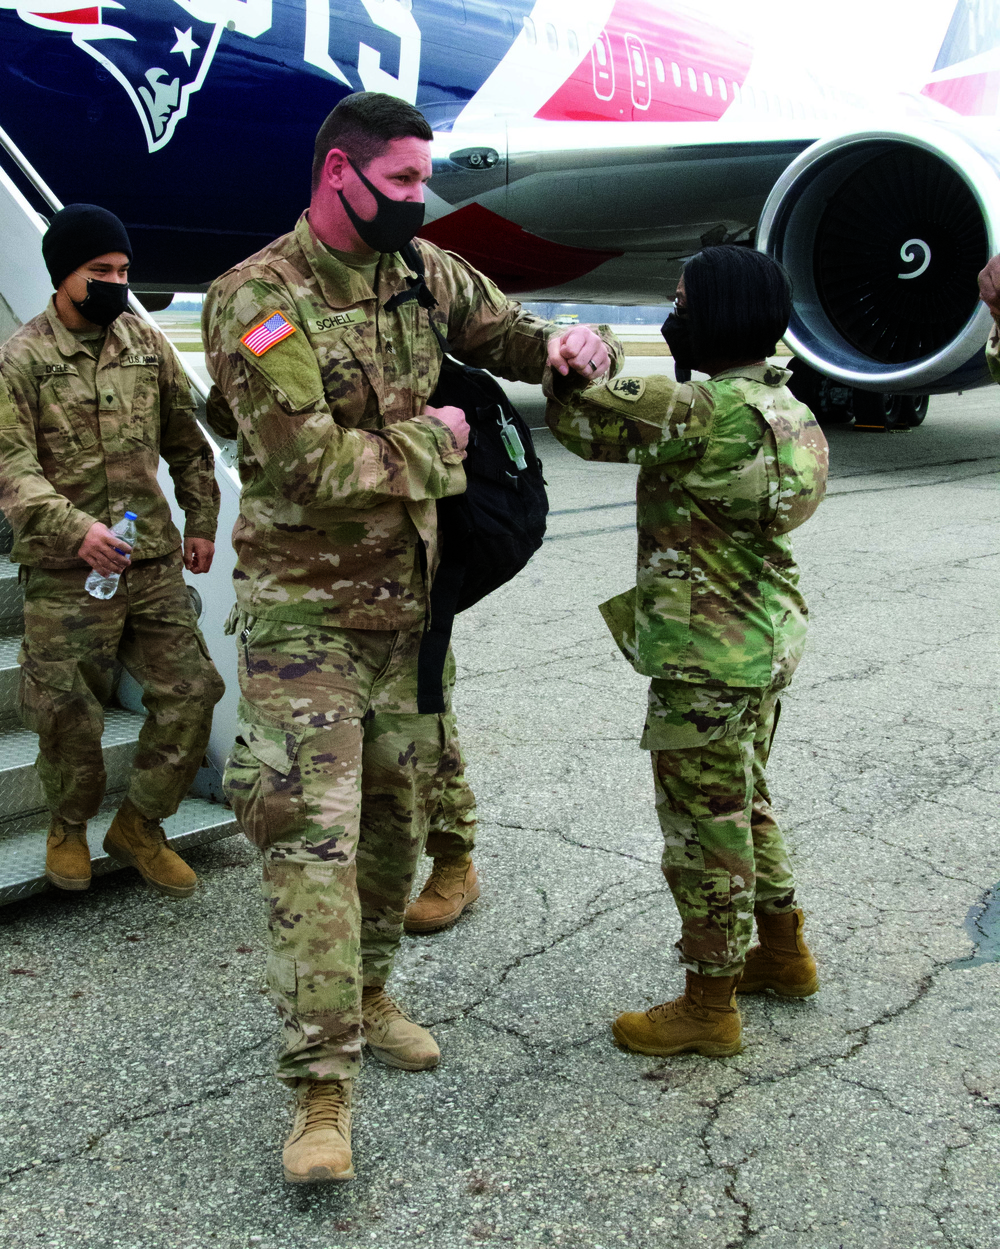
727	469
989	293
453	883
327	362
91	397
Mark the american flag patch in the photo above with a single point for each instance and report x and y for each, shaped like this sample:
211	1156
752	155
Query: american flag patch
263	336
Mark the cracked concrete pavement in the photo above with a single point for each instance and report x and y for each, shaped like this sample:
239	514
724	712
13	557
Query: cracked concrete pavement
138	1110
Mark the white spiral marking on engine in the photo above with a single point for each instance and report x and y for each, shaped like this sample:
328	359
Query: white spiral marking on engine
907	255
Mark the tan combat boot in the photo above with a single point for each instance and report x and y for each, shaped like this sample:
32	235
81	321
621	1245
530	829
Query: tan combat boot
450	888
393	1037
67	859
318	1150
782	962
705	1018
140	842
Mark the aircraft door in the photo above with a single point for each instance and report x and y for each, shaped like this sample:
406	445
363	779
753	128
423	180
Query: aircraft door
638	68
603	61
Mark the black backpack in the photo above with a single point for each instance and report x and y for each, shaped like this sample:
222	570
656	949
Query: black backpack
488	534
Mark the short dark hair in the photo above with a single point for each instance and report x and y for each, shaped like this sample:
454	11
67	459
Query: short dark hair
739	302
363	125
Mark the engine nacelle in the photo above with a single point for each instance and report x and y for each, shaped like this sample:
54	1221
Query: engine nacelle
883	233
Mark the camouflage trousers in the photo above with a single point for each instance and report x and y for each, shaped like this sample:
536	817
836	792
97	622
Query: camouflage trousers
334	776
724	856
72	644
452	829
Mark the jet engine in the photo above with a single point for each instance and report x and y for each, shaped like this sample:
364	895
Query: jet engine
883	233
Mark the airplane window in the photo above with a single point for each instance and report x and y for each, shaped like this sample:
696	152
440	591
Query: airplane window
660	72
800	110
637	61
552	37
737	94
706	79
529	31
602	56
751	99
722	88
572	43
692	79
675	69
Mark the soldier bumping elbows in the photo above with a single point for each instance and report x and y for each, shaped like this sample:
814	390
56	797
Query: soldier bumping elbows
334	774
716	619
93	397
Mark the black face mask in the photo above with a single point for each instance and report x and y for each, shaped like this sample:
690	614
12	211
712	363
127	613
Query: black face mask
676	331
104	302
395	221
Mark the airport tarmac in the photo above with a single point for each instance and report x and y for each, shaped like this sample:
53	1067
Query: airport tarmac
138	1109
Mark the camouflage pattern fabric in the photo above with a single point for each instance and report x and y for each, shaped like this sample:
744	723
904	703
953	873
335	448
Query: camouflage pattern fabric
993	352
71	644
452	830
724	856
728	468
333	775
340	470
81	438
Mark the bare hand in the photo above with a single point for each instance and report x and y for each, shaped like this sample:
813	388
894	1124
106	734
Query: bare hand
98	549
579	349
454	418
989	286
198	553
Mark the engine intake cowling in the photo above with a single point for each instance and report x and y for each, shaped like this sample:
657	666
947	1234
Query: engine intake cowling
883	233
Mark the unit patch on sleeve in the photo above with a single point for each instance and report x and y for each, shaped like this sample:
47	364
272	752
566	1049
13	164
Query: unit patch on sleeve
629	388
264	335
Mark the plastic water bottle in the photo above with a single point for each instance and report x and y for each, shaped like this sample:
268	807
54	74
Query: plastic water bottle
105	587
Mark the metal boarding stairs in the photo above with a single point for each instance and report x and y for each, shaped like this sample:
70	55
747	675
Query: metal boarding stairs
24	819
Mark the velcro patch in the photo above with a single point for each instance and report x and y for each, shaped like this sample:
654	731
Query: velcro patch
137	357
53	370
267	333
629	388
336	320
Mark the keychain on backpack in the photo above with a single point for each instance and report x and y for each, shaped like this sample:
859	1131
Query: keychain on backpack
512	441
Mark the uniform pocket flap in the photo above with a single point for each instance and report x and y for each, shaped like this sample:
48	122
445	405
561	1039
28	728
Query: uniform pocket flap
275	746
58	674
282	975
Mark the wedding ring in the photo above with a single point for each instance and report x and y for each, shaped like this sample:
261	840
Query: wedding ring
593	366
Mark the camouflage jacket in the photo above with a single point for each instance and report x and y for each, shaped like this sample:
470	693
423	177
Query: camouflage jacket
727	469
81	440
340	470
993	352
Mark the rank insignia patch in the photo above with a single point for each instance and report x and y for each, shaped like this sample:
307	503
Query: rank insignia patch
263	336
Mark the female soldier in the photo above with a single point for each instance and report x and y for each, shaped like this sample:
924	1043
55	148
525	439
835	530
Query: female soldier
727	468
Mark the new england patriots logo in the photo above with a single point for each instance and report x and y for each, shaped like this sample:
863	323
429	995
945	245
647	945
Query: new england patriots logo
159	50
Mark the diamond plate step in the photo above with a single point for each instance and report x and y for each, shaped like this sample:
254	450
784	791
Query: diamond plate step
6	533
10	676
22	858
19	786
11	598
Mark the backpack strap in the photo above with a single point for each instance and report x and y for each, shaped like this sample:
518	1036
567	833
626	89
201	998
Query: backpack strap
418	290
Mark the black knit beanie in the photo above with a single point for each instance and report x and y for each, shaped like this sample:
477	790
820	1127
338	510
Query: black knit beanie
78	233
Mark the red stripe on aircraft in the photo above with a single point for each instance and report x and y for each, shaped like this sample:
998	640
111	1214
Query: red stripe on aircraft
653	63
75	17
513	258
976	95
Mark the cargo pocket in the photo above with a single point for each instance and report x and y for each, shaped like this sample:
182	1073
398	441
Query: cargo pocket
705	903
282	978
262	780
45	693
